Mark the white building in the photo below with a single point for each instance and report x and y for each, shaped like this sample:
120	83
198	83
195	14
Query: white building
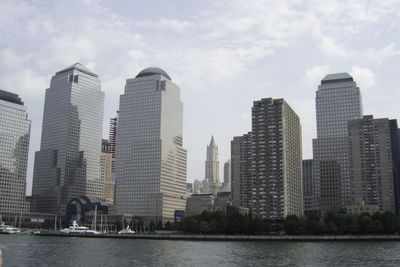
150	166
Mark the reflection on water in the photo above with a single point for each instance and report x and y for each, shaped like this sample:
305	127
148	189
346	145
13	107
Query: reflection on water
20	250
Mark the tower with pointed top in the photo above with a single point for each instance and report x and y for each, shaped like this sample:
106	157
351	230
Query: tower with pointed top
212	169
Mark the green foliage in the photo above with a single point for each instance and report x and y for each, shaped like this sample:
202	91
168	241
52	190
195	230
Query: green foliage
313	224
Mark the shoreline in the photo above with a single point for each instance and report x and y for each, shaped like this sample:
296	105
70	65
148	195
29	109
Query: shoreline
180	237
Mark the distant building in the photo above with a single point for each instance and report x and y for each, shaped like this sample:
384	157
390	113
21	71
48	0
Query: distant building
266	163
310	197
68	163
211	184
226	186
198	203
150	166
371	163
360	207
338	100
106	160
15	130
113	139
198	186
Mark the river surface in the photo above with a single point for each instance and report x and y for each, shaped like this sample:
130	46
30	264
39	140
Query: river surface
24	250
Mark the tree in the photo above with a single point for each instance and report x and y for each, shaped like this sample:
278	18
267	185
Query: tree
203	227
190	225
366	224
355	225
389	222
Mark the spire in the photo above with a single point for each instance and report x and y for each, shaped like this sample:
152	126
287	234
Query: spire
212	143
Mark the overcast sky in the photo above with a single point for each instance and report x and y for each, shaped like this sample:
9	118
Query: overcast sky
224	54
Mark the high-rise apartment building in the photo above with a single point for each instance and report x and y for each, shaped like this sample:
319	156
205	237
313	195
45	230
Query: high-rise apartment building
373	180
150	164
14	146
211	180
241	166
266	163
106	161
338	100
68	163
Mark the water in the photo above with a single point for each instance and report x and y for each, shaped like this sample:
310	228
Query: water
23	250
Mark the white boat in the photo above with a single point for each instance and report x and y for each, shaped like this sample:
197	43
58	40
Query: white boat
76	229
126	231
8	229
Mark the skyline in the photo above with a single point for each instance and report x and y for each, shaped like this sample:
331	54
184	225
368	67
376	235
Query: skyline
118	40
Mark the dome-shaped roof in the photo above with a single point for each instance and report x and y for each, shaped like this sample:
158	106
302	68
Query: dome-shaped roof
152	71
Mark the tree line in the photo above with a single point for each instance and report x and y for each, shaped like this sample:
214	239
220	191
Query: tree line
312	224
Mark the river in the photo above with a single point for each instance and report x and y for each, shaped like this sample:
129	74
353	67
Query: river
25	250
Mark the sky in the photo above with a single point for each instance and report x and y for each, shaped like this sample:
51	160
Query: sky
223	54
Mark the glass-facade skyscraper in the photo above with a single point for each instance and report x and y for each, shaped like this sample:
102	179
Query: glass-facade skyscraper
150	161
338	100
14	146
68	163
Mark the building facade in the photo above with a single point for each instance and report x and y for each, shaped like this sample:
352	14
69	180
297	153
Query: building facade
226	186
371	163
106	161
14	147
68	163
211	180
310	198
267	163
338	100
150	166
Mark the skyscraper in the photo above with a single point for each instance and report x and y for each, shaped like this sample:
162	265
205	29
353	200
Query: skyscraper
68	163
226	186
338	100
211	181
14	145
150	164
266	163
371	163
106	161
310	198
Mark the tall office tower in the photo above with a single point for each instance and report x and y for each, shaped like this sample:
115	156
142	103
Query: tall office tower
371	162
150	164
68	163
211	181
338	100
267	174
106	161
227	175
15	130
310	198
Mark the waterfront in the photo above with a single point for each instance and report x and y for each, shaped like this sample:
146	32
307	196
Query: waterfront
25	250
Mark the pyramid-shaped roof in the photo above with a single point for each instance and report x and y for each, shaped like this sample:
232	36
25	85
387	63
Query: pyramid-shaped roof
337	77
79	67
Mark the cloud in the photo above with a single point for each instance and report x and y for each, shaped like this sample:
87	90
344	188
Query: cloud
379	55
331	47
315	74
365	78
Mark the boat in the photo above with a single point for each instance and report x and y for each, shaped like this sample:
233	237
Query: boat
126	231
76	229
8	229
